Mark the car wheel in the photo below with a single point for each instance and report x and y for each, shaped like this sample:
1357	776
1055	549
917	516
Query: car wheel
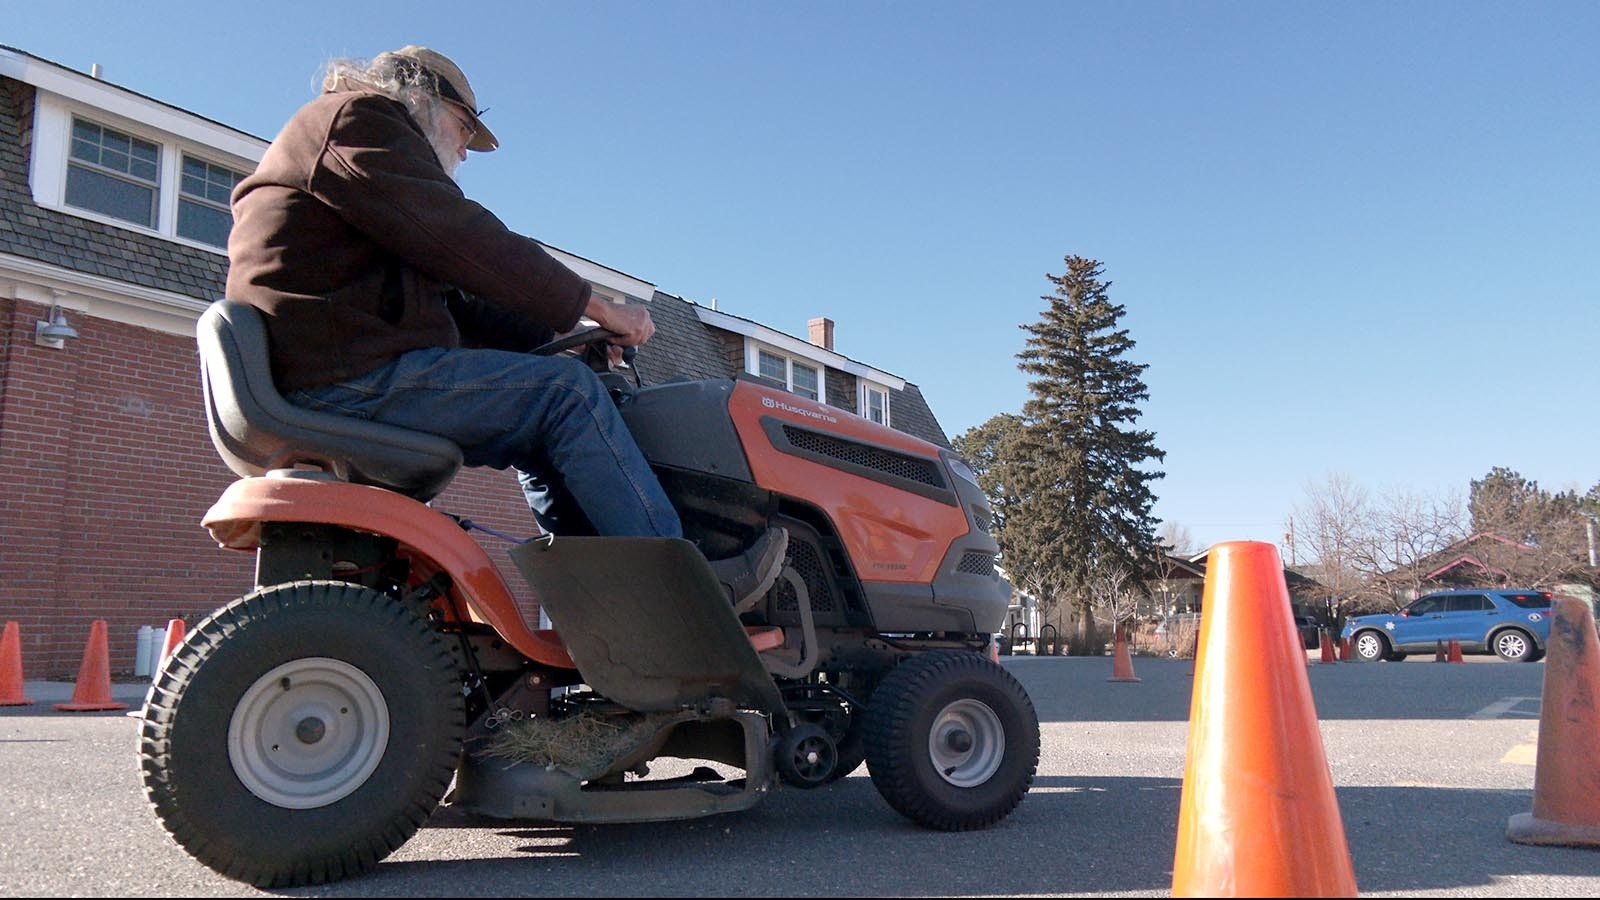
1371	646
1513	645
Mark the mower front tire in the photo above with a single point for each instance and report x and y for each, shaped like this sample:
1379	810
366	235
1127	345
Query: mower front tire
302	733
952	740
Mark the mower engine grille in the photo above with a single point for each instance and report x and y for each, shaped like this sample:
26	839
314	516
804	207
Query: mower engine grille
976	562
805	560
911	468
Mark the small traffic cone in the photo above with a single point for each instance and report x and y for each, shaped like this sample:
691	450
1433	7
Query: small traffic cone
93	688
175	632
1344	650
1566	775
1122	661
1455	652
1258	816
11	668
1438	652
1328	640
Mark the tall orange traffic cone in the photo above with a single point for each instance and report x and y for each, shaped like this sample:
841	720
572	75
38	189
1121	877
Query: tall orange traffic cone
1566	775
1328	640
11	668
1122	661
93	689
1455	652
175	632
1258	816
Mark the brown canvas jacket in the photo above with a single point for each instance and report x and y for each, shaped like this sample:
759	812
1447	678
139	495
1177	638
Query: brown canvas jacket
349	234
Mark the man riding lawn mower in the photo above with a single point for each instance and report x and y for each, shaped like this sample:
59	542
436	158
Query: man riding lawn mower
305	730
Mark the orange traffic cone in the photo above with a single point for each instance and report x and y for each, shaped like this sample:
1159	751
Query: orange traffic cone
1438	652
1122	661
1258	816
1566	775
11	668
1455	652
93	689
175	632
1328	640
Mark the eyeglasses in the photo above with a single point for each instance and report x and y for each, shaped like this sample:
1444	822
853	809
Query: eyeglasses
465	123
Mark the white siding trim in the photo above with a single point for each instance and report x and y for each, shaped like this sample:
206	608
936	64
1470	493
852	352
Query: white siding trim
794	347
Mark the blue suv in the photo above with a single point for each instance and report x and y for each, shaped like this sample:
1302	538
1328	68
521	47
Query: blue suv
1513	624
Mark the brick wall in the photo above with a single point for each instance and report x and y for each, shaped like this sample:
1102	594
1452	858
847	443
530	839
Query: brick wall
105	471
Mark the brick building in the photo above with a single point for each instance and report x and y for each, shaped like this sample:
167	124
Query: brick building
113	217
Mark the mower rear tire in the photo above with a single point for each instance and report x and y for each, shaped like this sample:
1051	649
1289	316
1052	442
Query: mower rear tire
302	733
952	740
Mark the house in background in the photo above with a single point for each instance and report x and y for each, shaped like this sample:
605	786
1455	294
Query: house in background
113	222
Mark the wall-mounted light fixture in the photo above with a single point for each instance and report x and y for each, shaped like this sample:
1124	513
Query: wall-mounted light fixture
56	332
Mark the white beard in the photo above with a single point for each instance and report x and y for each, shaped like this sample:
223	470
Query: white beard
443	146
446	153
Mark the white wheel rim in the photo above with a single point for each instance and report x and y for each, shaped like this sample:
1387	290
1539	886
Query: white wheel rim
966	743
308	733
1511	645
1369	645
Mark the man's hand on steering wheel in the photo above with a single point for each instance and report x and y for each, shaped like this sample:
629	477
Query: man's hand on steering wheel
631	324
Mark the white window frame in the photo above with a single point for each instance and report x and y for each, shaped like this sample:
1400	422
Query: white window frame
52	150
199	200
752	364
864	391
151	186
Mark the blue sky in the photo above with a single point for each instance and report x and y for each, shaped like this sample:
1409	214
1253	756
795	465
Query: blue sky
1352	238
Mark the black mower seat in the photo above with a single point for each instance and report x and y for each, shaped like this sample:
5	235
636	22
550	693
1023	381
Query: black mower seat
256	431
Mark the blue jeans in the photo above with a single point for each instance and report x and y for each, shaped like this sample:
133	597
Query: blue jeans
548	417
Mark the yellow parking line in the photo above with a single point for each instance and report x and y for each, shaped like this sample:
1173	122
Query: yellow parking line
1523	754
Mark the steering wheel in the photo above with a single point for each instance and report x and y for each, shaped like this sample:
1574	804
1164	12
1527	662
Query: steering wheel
595	353
580	339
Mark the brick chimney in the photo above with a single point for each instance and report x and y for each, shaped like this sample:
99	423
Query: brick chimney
821	332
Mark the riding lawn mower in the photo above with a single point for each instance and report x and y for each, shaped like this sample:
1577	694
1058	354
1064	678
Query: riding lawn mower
381	665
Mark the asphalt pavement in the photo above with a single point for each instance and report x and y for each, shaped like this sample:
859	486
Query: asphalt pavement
1428	761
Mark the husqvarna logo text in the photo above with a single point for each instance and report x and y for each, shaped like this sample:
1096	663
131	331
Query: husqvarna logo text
770	403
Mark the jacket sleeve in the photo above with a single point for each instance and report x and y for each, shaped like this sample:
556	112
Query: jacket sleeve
485	325
379	173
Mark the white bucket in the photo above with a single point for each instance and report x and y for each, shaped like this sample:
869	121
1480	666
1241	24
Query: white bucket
142	655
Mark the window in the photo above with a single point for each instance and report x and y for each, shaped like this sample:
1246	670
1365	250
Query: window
874	403
804	380
1469	603
130	164
797	377
1427	606
775	367
203	191
113	173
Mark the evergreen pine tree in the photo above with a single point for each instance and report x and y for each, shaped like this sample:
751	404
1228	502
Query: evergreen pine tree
1081	497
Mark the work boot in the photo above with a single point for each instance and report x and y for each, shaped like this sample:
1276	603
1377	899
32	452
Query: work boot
747	577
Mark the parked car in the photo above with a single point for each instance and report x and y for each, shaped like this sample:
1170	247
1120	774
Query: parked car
1512	624
1310	632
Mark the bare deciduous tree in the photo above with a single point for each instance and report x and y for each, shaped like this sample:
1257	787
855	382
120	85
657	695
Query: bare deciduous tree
1176	538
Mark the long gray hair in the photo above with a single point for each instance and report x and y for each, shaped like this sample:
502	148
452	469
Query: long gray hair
395	76
398	78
